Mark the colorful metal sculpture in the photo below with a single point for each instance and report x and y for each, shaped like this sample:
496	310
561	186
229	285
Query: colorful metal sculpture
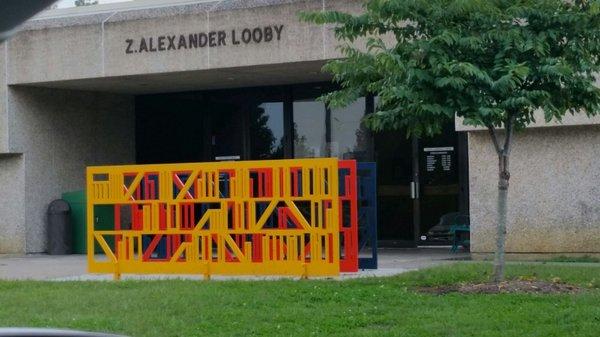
278	217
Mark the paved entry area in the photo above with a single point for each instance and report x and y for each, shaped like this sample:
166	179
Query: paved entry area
73	267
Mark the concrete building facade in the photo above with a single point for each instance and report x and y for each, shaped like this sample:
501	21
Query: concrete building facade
77	87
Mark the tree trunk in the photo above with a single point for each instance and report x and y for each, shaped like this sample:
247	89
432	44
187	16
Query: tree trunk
503	182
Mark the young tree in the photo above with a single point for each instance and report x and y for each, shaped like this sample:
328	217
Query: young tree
493	63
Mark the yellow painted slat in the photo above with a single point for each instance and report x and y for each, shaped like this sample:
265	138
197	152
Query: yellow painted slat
188	183
134	185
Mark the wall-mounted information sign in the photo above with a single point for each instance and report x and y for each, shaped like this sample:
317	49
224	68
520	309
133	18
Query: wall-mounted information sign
439	158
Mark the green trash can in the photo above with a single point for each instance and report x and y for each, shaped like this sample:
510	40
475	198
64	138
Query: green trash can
104	220
76	200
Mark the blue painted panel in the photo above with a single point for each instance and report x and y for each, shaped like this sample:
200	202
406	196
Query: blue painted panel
367	213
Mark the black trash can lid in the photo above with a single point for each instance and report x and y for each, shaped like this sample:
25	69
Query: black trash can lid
58	206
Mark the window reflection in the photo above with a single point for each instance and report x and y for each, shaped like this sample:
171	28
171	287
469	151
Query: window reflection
322	132
266	131
348	139
310	129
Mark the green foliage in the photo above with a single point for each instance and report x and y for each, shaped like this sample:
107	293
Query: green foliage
488	61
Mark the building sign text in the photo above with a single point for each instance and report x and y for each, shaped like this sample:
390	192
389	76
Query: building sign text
216	38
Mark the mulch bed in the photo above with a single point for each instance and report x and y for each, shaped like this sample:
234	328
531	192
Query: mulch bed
507	287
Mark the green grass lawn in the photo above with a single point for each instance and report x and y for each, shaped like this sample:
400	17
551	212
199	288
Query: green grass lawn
364	307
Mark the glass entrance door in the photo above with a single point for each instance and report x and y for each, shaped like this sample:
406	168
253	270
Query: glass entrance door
418	187
226	130
395	189
439	186
246	124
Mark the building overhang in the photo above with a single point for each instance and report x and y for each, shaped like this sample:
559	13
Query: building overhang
237	77
147	46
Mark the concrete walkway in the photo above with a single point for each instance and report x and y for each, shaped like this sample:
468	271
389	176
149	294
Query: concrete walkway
73	267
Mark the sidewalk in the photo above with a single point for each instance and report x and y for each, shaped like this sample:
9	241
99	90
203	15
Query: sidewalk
73	267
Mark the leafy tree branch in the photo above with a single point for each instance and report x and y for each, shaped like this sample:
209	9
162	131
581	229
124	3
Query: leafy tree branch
493	63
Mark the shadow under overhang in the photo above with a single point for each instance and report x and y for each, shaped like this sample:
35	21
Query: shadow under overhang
238	77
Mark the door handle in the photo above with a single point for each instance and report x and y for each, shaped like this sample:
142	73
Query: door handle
414	190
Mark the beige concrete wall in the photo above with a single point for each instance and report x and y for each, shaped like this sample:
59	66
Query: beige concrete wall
568	120
3	99
12	206
93	45
299	41
57	54
59	133
117	62
554	197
